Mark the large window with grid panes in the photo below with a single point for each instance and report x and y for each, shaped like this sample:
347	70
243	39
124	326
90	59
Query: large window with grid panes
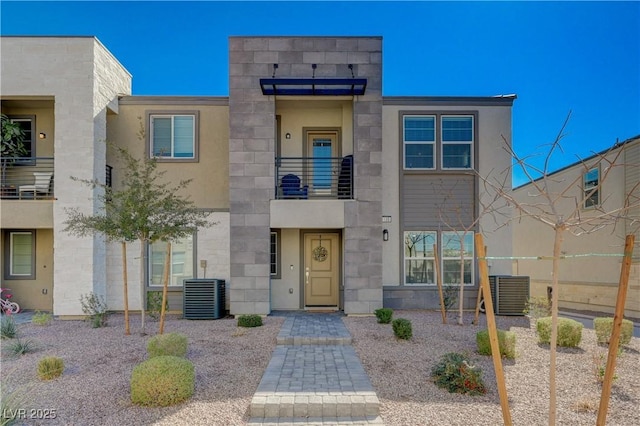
438	141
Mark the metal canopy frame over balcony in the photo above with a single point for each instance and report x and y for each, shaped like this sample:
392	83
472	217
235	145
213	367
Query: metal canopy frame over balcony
304	86
313	86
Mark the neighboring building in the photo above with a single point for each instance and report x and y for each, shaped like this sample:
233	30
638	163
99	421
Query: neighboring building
326	194
590	280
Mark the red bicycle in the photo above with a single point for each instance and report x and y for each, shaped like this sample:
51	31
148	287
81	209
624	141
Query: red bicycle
7	305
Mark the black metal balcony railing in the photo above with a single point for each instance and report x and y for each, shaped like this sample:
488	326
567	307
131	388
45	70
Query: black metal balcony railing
301	178
107	180
27	178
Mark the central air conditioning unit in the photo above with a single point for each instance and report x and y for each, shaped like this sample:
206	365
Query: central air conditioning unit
204	299
509	294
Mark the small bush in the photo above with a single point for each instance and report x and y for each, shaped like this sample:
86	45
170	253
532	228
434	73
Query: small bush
384	315
95	308
162	381
41	318
537	307
506	342
402	328
173	344
454	373
20	347
604	326
449	296
50	367
154	304
8	329
569	331
599	367
249	320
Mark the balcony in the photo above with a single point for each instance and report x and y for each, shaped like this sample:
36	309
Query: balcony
27	179
303	178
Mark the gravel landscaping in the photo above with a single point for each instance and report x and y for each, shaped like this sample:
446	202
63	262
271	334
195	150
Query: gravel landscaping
229	363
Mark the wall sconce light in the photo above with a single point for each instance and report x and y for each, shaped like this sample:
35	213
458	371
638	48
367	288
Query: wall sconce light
385	235
287	136
42	135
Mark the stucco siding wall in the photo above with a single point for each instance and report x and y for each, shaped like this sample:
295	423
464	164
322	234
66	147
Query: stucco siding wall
73	69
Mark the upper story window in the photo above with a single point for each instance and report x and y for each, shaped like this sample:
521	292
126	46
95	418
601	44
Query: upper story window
419	142
27	124
173	136
591	181
457	142
440	141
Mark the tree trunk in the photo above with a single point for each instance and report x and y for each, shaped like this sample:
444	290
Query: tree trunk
557	245
461	296
143	265
127	330
165	285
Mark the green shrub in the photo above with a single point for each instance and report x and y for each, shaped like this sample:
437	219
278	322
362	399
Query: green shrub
154	304
569	331
8	329
449	296
454	373
173	344
604	326
162	381
95	308
50	367
249	320
384	315
506	342
402	328
41	318
537	307
20	347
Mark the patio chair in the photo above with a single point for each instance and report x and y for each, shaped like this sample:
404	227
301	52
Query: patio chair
41	186
291	189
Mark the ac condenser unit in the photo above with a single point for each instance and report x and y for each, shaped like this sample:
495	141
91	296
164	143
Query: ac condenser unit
204	299
509	294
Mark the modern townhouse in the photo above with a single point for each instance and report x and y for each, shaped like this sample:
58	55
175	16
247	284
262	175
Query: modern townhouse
325	193
590	272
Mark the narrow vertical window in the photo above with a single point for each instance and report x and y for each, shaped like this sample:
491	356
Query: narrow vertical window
457	142
419	136
20	259
591	184
275	254
419	258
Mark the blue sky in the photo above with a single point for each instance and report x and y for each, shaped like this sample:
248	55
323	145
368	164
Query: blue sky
556	56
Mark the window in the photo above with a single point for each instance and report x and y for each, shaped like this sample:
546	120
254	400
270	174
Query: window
419	142
27	125
275	254
419	259
457	142
591	181
450	248
20	255
180	262
173	136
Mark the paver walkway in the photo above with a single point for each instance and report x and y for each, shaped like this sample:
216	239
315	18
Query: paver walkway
314	377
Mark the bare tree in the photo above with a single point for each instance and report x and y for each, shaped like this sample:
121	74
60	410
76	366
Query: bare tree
558	202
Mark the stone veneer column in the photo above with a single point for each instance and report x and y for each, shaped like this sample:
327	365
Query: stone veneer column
252	154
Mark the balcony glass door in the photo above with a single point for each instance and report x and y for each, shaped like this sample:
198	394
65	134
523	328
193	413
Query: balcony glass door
321	148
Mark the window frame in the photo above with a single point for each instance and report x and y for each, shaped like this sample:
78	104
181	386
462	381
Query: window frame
151	115
433	143
278	273
471	258
406	258
30	158
587	203
149	268
444	143
8	258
